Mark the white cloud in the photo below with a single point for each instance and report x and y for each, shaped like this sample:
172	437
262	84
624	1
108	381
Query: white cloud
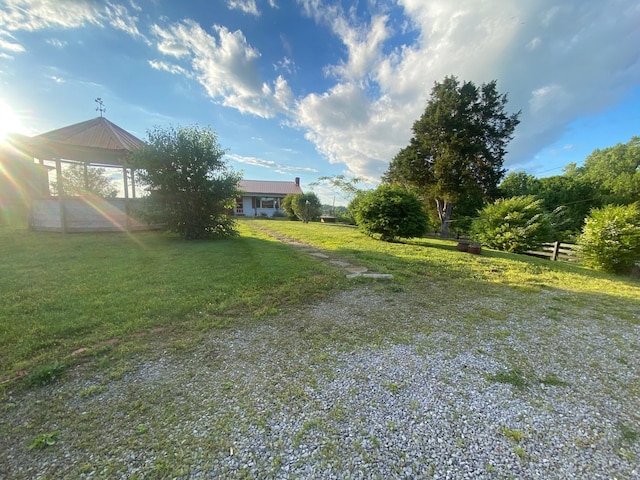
363	42
226	66
168	67
286	65
55	42
246	6
119	18
534	43
270	164
33	15
348	128
555	63
9	46
548	97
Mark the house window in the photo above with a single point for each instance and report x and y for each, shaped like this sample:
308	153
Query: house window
267	202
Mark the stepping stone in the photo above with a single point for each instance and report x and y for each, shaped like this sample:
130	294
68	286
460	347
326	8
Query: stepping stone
386	276
377	275
339	263
356	269
320	255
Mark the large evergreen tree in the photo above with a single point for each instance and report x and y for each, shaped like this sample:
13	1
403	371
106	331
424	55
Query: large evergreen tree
458	146
191	187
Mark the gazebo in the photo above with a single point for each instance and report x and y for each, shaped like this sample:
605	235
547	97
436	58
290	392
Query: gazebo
93	143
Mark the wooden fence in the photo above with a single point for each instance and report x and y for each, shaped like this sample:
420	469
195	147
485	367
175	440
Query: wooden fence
557	251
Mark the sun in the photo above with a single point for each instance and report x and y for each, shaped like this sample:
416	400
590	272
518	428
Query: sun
9	121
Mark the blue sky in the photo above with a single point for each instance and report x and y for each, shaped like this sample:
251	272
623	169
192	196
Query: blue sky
313	88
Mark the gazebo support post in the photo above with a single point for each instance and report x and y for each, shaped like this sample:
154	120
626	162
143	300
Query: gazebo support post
126	198
86	177
126	182
133	183
61	206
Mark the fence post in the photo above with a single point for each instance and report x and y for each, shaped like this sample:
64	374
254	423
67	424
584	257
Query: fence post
556	247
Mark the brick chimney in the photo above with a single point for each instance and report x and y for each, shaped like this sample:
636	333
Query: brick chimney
298	181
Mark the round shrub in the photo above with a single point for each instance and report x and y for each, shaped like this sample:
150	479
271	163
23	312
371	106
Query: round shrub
610	238
391	212
514	224
306	206
287	206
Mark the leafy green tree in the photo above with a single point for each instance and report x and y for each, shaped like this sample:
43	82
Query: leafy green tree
78	180
306	206
573	197
348	187
610	239
191	188
458	146
515	224
616	171
516	184
392	212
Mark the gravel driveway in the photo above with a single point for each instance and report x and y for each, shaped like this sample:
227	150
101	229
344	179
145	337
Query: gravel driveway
376	382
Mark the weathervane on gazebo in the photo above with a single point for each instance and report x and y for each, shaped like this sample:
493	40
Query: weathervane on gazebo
100	108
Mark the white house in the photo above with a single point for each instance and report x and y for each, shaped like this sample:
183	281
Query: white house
262	197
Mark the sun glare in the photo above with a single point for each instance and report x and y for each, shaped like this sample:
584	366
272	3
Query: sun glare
9	121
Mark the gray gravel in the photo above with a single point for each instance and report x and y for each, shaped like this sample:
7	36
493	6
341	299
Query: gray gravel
297	397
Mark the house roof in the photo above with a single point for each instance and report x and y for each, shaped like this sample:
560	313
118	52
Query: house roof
269	187
93	141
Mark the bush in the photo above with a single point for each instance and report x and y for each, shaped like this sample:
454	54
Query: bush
610	238
514	224
391	212
287	206
353	206
306	206
191	188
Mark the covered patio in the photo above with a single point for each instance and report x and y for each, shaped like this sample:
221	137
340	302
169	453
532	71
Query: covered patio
93	143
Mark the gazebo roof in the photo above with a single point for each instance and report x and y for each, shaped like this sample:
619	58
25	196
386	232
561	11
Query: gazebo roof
96	141
98	132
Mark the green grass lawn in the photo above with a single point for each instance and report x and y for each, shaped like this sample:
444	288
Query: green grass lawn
61	293
438	260
196	348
